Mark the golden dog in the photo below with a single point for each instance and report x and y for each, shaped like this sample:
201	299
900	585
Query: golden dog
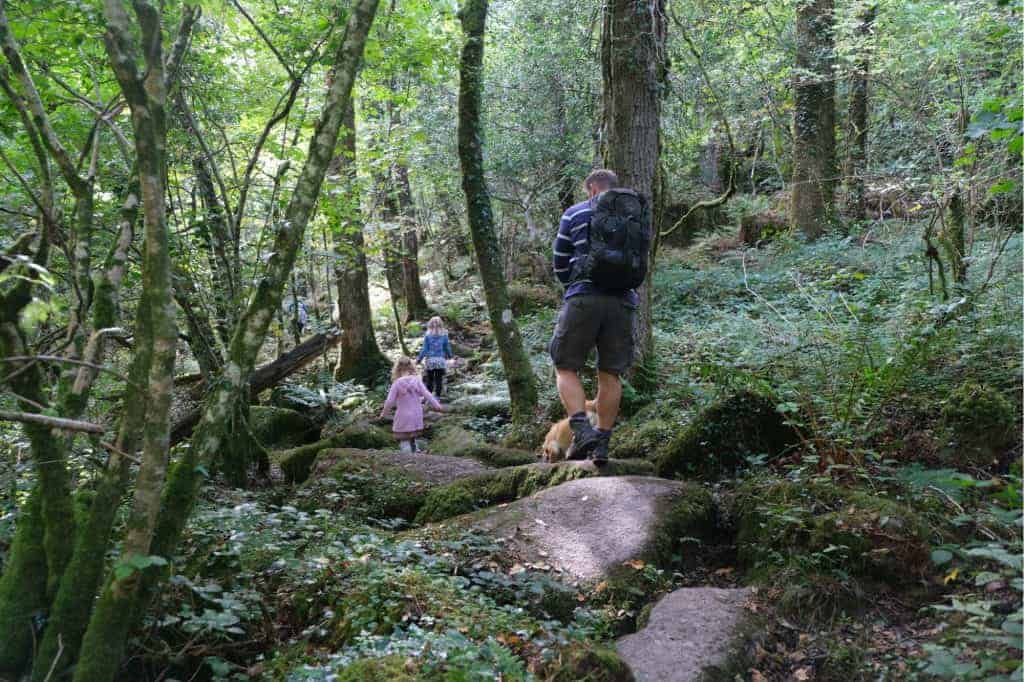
556	443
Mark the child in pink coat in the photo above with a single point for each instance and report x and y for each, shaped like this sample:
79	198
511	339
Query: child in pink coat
406	397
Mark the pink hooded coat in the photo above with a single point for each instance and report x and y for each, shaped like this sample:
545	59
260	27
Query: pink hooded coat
406	396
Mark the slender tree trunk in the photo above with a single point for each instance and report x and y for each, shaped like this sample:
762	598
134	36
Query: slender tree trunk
814	138
954	239
518	372
202	339
857	120
219	244
360	359
217	426
145	92
415	302
633	70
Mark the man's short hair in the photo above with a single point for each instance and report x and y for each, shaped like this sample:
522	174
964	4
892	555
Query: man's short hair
602	178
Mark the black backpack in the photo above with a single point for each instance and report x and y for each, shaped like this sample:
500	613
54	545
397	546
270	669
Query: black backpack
620	242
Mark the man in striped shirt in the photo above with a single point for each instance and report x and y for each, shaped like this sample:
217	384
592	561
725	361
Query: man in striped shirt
589	319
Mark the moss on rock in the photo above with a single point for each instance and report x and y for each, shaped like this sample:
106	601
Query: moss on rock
719	439
640	438
829	528
278	428
689	519
379	490
297	463
504	485
588	663
455	441
980	425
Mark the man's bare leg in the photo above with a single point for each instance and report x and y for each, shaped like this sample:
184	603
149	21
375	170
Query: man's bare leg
609	395
570	390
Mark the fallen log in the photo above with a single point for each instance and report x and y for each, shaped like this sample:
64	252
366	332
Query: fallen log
267	375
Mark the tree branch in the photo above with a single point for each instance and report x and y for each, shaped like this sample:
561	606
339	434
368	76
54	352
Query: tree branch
53	422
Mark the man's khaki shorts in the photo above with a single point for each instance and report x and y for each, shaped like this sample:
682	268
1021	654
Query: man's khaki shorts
587	321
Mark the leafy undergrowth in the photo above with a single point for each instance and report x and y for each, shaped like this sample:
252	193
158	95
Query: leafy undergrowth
273	592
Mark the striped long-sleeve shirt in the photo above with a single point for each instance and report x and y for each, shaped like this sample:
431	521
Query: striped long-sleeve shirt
571	244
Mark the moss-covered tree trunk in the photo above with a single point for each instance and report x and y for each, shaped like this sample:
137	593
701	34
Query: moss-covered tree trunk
220	245
814	138
518	372
416	307
855	163
216	428
360	358
633	70
156	336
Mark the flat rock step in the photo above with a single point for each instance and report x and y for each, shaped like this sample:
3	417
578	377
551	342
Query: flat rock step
437	469
584	528
689	630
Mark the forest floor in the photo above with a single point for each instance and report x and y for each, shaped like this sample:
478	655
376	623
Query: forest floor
881	540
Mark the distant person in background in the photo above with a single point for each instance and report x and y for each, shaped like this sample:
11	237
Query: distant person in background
435	354
300	316
406	397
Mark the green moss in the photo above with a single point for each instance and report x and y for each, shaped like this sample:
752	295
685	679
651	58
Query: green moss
22	588
276	427
297	463
980	425
364	436
687	521
719	439
456	441
820	528
640	438
588	663
387	669
504	485
376	489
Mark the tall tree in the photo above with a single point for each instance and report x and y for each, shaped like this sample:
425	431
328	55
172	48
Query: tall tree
416	307
360	358
518	372
814	137
856	137
633	69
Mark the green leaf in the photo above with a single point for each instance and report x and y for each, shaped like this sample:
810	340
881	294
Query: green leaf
941	556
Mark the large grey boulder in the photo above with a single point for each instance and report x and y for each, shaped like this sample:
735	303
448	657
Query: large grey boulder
589	527
689	630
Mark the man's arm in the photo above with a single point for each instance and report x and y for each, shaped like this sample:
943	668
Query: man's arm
563	249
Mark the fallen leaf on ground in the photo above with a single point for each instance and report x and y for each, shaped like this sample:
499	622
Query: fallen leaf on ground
636	564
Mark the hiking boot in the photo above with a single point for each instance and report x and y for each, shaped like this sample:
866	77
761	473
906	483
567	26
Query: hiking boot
600	452
584	438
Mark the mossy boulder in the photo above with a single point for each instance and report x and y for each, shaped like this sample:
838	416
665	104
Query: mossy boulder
496	487
513	483
723	435
454	440
820	527
278	428
385	484
640	438
587	663
598	527
482	405
365	436
297	463
980	425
